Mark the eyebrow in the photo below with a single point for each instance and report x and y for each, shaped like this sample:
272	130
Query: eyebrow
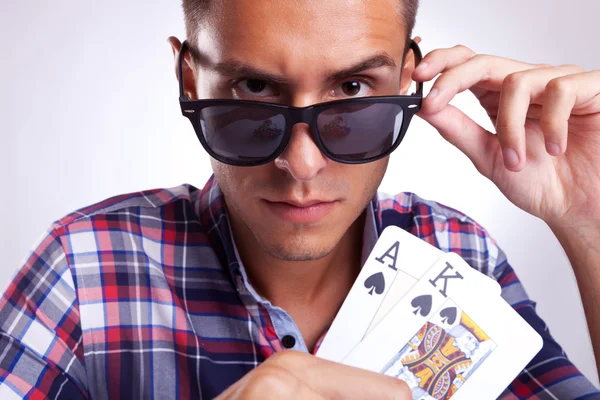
381	59
233	67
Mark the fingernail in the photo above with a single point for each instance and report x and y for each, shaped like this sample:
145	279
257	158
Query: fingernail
421	67
510	157
553	149
432	93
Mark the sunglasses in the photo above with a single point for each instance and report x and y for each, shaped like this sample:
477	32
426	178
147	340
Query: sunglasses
349	131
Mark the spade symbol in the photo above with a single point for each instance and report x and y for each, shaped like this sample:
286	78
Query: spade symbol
448	315
375	282
422	304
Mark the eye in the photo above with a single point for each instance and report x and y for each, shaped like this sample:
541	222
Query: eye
351	88
255	87
354	88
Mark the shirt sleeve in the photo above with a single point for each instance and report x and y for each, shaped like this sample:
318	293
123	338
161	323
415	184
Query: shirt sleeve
41	354
550	375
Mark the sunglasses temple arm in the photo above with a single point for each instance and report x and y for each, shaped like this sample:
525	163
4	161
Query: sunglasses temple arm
184	47
418	57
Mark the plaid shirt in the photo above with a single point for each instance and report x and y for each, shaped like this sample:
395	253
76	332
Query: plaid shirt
144	296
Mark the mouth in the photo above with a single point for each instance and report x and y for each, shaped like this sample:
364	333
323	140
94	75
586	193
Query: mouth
305	212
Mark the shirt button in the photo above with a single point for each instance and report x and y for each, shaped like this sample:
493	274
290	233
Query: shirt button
288	341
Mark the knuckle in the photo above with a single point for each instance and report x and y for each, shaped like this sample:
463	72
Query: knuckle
485	62
502	127
276	382
549	125
506	131
464	50
559	86
546	122
574	68
287	357
516	81
482	58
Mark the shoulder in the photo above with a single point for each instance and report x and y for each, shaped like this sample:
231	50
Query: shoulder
443	227
86	233
153	223
143	202
142	212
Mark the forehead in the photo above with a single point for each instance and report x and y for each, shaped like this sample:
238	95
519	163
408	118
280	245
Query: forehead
283	33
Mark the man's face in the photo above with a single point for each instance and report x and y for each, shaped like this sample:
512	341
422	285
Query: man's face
291	52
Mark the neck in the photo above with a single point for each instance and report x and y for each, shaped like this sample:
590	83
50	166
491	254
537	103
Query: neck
310	291
286	283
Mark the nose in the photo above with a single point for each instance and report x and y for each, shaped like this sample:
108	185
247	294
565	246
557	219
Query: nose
302	159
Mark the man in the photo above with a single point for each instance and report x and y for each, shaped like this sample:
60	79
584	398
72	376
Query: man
186	293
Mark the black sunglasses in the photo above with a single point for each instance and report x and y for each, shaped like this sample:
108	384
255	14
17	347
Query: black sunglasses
349	131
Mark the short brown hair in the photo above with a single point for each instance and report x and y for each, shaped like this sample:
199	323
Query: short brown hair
194	12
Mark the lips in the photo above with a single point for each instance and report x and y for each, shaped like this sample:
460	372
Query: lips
306	212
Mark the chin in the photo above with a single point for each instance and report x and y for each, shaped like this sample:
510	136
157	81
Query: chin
296	254
297	249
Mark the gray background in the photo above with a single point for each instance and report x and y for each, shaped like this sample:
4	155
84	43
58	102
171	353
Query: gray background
88	109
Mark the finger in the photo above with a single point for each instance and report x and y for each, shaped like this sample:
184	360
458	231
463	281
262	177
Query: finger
333	380
576	93
483	71
491	100
588	92
268	383
440	60
475	142
301	392
519	90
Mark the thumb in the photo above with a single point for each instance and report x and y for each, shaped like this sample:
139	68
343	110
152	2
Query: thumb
461	131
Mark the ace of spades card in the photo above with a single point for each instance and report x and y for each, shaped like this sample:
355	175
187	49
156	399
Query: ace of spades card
363	301
447	341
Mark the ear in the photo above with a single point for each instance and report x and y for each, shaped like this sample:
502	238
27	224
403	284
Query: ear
189	80
407	70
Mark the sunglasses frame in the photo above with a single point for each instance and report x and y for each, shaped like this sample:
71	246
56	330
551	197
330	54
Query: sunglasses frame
191	109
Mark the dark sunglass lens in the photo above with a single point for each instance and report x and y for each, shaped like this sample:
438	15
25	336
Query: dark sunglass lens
242	133
360	131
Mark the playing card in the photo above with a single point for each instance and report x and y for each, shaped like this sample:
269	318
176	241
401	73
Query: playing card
516	344
464	344
438	360
363	300
378	288
415	258
407	316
